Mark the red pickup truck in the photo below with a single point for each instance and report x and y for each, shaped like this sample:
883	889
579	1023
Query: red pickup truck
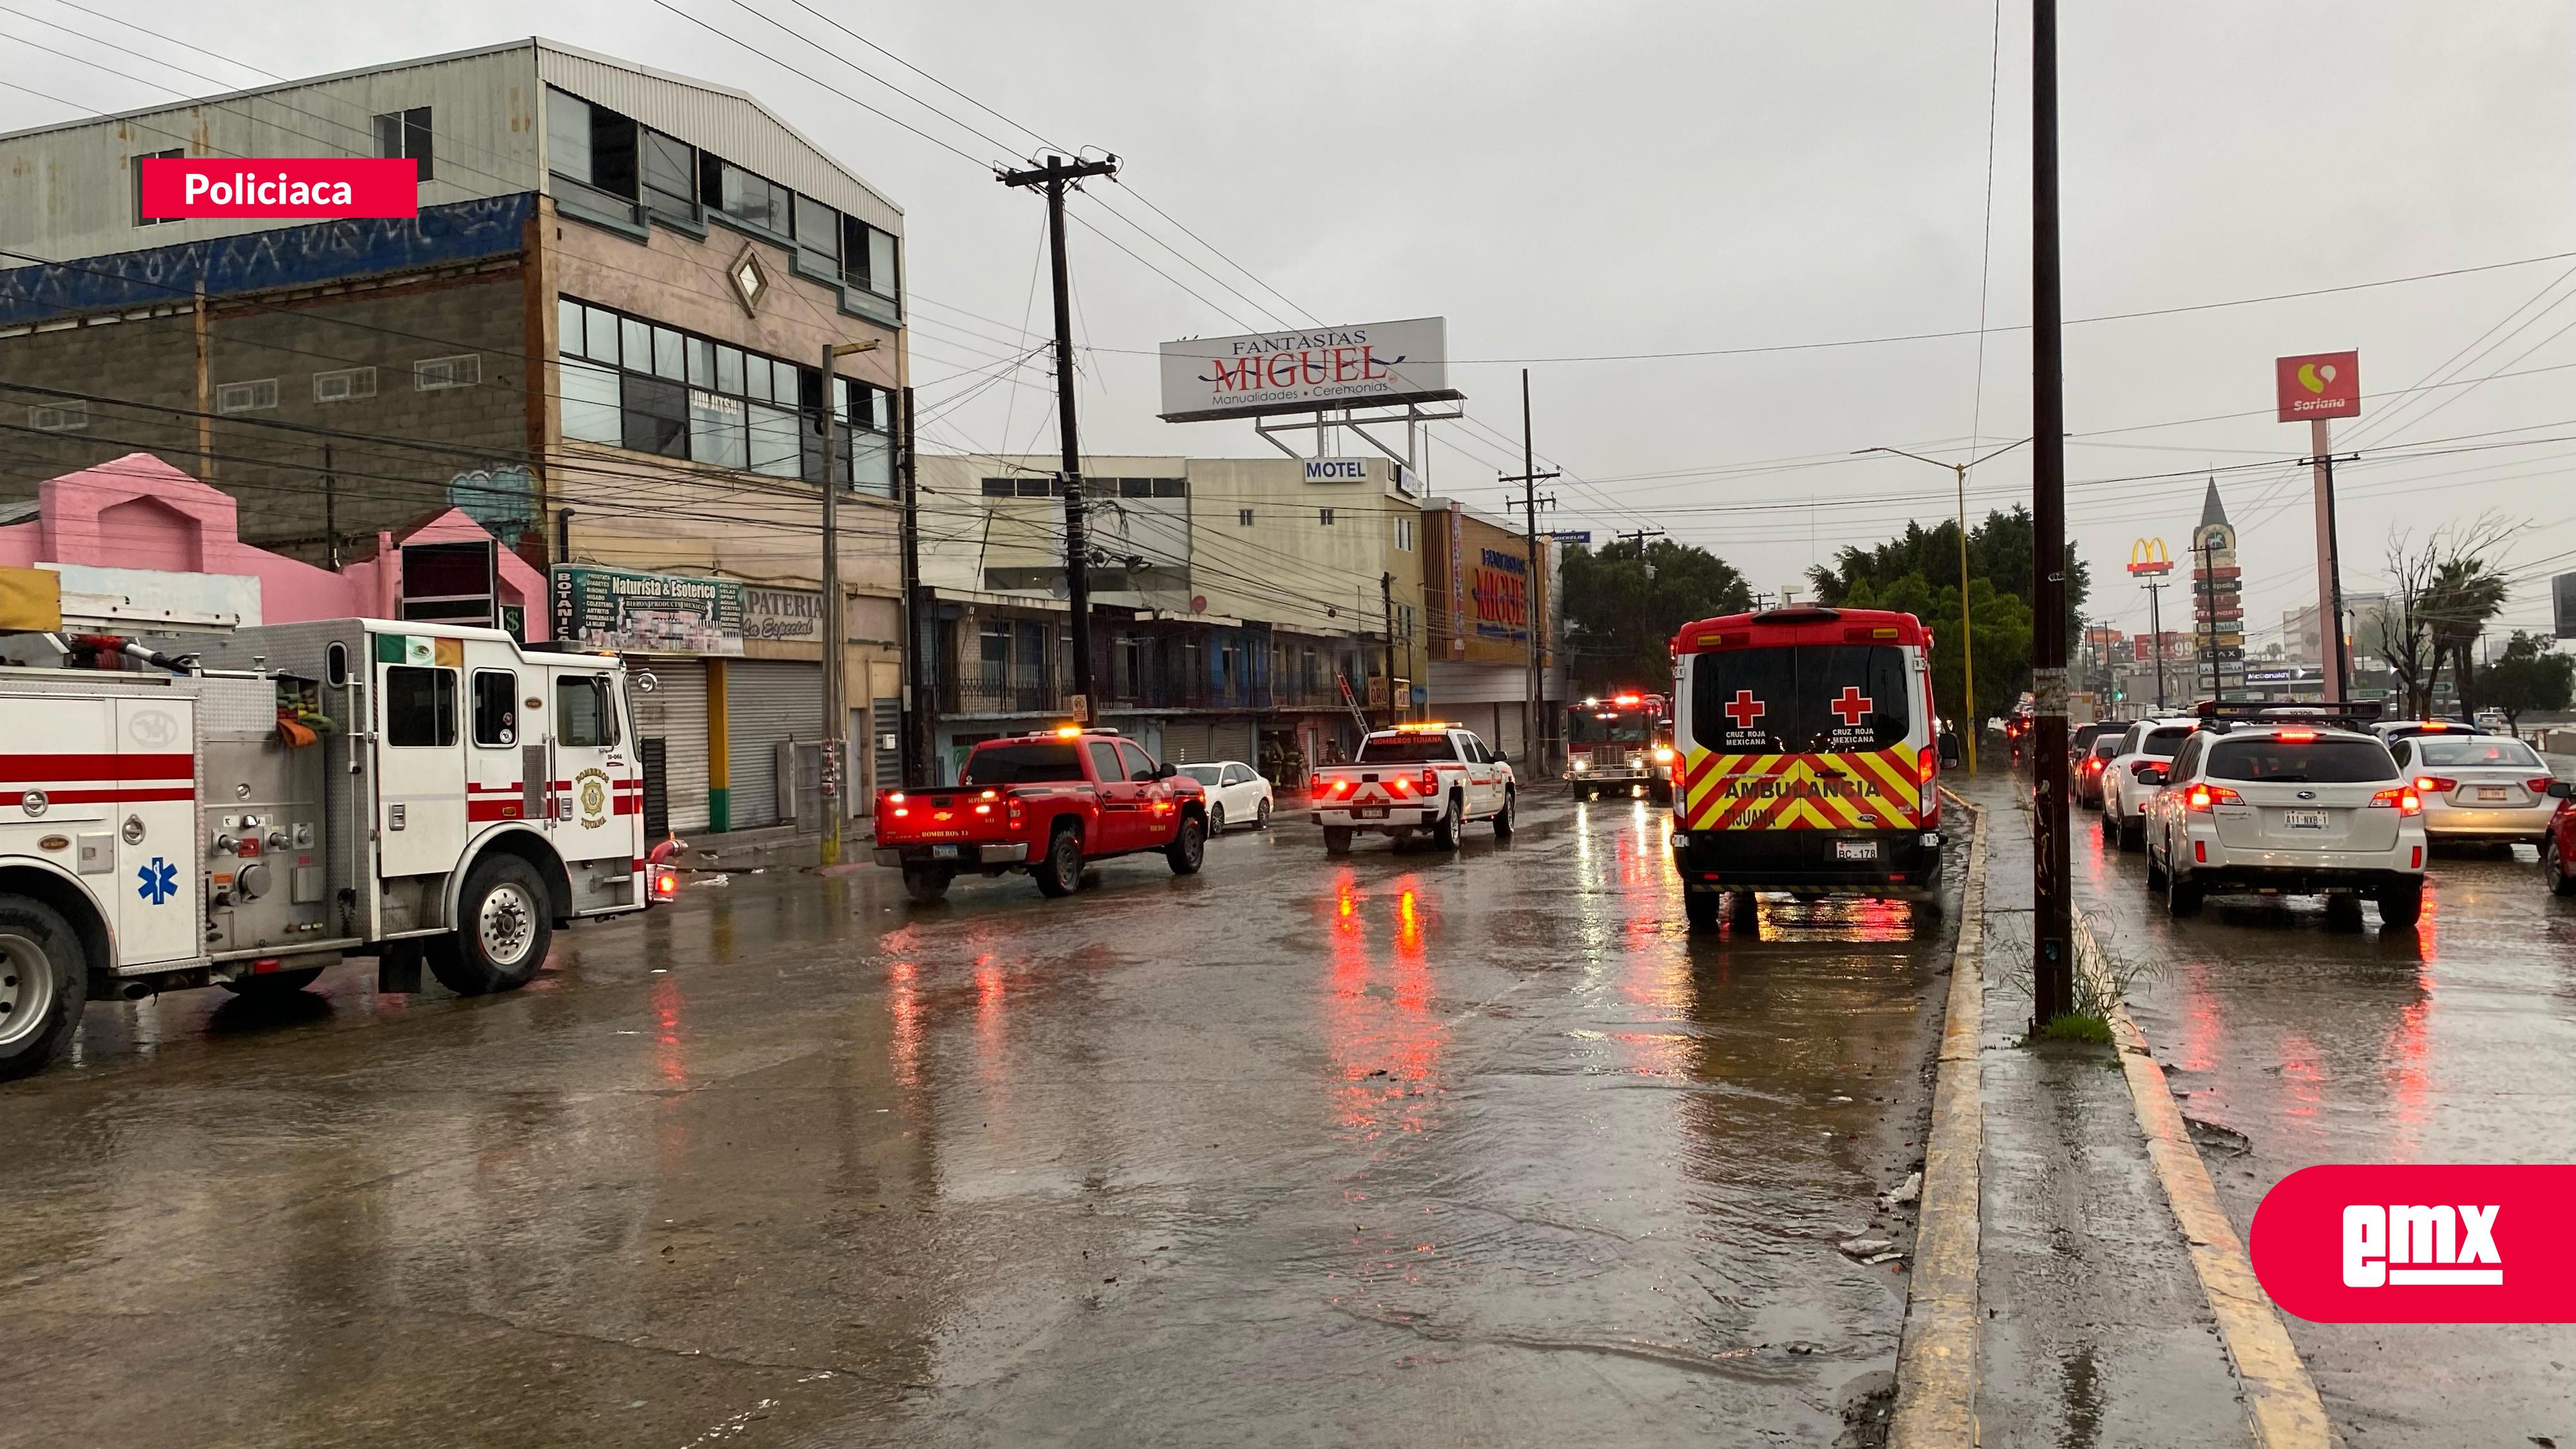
1046	804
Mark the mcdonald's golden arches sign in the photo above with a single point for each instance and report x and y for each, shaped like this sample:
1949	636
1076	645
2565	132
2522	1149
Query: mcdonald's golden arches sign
2148	556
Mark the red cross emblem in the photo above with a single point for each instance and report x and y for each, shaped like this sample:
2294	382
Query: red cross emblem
1852	705
1745	709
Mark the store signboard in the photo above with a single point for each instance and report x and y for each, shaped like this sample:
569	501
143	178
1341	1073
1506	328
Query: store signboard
1363	365
2317	385
793	615
641	613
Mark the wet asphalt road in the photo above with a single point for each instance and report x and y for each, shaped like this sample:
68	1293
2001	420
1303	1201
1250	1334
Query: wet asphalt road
1398	1149
2289	1042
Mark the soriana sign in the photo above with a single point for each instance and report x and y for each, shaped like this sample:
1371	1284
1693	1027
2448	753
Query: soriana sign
2318	385
1371	364
282	188
2420	1244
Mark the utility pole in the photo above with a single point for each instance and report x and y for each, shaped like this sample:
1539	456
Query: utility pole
2052	895
836	685
916	688
2207	548
2156	628
1639	537
1386	598
331	511
1052	178
1529	478
2336	655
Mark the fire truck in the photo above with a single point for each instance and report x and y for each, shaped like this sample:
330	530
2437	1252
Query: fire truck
247	815
1623	743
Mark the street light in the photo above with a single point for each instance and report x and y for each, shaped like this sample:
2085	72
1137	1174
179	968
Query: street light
1967	646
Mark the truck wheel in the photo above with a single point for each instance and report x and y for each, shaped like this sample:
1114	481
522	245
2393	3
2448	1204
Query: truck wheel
1060	873
2401	905
927	887
504	927
1337	840
273	986
1188	848
44	983
1445	834
1503	817
1704	908
1216	821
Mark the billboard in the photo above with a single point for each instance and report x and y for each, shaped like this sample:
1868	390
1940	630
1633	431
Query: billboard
1372	364
2317	385
641	613
2148	557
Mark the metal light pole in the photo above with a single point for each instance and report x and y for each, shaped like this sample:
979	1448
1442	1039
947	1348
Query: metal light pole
836	686
1967	630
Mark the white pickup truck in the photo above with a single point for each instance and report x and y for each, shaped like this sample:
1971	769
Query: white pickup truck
1415	777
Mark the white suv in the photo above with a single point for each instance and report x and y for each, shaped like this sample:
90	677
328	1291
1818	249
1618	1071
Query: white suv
2288	809
2136	770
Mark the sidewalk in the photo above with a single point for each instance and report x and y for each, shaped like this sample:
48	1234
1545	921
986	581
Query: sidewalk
2096	1329
768	847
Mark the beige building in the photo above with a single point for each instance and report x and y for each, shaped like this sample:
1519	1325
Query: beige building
1240	611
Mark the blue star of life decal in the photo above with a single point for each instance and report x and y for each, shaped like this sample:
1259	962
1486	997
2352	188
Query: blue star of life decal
157	882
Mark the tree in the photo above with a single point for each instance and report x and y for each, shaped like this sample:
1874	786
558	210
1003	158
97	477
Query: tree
2002	640
1624	604
1998	551
2532	675
2441	595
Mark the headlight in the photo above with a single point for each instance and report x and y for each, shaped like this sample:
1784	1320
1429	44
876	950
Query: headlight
1582	763
1663	754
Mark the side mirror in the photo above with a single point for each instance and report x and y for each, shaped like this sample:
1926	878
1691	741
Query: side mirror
2154	774
1164	771
1501	759
2562	789
647	682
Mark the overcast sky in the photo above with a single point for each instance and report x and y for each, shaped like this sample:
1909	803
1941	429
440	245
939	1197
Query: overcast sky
1566	181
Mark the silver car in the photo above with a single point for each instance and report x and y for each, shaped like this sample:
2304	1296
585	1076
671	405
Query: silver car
2478	787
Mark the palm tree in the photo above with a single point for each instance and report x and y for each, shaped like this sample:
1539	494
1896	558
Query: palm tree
2464	595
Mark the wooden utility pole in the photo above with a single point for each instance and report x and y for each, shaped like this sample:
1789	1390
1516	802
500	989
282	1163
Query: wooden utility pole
2052	893
1535	594
1052	178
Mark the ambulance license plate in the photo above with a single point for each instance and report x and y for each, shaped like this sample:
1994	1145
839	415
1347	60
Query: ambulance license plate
943	852
1377	812
2303	820
1855	850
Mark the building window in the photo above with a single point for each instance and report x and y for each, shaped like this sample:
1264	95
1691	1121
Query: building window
347	383
998	488
62	417
246	397
1171	487
656	415
431	374
1404	621
1037	487
1403	533
1243	518
591	155
868	258
669	169
1324	516
404	135
175	153
742	196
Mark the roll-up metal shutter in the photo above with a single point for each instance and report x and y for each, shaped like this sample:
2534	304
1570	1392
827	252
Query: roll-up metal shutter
676	714
885	722
767	703
1232	740
1188	742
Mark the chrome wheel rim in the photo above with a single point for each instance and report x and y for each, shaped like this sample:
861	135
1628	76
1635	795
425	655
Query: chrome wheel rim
26	988
507	925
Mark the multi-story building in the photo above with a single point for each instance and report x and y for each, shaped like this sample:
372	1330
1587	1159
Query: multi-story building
1479	583
602	337
1241	608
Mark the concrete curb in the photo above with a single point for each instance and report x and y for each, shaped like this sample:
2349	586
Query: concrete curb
1936	1361
2282	1410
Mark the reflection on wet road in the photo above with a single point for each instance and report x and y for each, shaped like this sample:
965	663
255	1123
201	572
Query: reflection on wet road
1391	1148
2289	1042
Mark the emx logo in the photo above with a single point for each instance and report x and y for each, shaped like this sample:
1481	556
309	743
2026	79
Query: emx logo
2419	1244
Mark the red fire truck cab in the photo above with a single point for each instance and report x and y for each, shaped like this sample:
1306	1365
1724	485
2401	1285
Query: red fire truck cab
1622	744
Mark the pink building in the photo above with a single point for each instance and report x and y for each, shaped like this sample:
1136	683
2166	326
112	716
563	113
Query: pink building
139	513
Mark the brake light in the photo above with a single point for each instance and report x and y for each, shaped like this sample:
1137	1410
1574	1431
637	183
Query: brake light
2435	784
895	799
1430	781
666	883
2298	737
1400	784
2539	784
2401	798
1019	812
1340	787
2093	767
2203	797
1923	764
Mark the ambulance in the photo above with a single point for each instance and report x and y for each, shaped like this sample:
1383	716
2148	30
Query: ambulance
247	815
1807	759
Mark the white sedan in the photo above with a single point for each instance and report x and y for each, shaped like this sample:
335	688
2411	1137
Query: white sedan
1236	794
